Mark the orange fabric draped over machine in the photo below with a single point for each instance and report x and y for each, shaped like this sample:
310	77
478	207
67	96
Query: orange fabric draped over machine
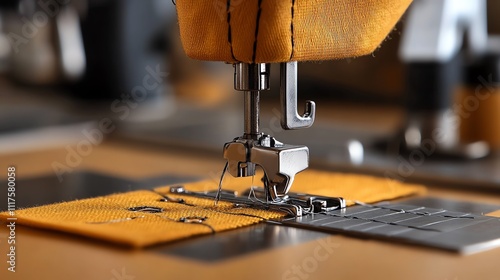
266	31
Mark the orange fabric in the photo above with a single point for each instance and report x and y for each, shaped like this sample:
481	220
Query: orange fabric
479	115
352	187
109	218
256	31
494	214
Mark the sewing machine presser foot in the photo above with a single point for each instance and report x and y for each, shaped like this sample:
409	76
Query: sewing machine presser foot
293	204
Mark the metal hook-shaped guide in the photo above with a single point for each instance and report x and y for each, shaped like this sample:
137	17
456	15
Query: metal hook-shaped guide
290	118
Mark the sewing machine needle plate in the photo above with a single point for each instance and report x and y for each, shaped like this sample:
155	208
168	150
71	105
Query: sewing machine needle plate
454	231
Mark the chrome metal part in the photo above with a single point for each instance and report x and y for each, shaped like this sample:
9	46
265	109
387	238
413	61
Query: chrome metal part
70	37
251	77
311	203
436	132
252	100
293	210
434	33
147	209
280	162
435	29
193	219
288	93
404	223
294	204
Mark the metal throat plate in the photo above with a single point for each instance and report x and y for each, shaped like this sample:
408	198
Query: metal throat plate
431	227
293	204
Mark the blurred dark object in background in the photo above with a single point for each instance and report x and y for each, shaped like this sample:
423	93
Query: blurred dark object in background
84	56
121	39
100	48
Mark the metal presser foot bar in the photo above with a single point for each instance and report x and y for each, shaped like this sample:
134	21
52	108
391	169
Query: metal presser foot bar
280	162
294	204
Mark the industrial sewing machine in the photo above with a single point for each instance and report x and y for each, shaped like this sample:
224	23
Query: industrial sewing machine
301	34
281	162
313	237
431	42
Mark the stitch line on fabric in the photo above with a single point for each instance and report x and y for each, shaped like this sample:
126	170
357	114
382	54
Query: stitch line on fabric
257	22
237	214
211	209
183	220
291	29
229	36
166	198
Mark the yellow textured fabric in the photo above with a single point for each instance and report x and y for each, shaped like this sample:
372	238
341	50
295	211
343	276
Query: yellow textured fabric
352	187
109	218
494	214
255	31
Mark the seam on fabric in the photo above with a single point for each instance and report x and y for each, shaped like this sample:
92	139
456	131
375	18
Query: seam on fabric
229	36
291	29
257	22
210	209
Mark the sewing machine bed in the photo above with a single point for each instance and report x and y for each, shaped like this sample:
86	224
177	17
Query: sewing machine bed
431	222
401	222
263	251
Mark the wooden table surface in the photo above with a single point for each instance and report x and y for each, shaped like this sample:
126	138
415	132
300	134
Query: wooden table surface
52	255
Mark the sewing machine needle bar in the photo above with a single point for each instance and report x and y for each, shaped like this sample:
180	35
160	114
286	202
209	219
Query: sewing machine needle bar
252	99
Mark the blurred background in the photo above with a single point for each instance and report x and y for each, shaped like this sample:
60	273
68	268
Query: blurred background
114	70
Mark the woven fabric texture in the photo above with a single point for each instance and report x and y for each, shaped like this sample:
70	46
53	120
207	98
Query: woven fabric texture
265	31
109	218
352	187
